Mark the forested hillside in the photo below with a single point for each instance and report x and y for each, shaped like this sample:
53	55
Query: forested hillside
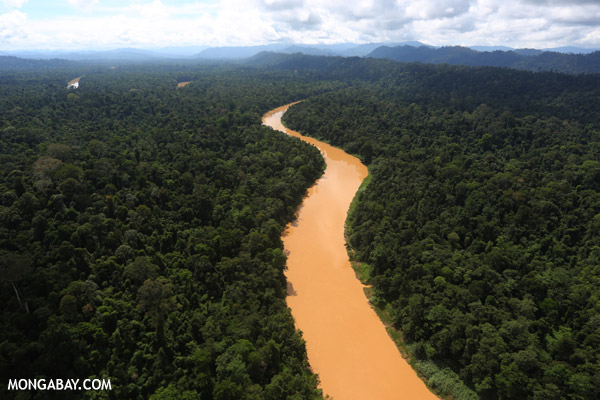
460	87
518	59
480	224
140	233
10	63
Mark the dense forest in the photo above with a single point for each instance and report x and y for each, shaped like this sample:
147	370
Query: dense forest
10	63
140	233
480	224
141	222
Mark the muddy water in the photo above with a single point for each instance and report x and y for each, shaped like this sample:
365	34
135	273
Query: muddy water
346	342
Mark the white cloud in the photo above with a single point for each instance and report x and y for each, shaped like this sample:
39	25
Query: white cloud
12	27
153	10
246	22
431	9
84	5
13	3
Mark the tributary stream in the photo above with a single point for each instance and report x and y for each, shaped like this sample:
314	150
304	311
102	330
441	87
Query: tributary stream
347	343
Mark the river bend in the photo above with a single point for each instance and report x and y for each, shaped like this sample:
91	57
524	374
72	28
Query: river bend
346	342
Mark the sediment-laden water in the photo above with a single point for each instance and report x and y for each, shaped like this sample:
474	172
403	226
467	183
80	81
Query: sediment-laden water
347	343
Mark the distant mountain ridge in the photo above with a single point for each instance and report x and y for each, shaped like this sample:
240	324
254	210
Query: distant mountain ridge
201	52
232	52
11	63
572	60
526	59
241	52
125	53
339	49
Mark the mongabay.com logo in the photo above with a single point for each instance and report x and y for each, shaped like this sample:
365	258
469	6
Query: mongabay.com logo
59	384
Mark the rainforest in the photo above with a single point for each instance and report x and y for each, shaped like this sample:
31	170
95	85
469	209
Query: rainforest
142	216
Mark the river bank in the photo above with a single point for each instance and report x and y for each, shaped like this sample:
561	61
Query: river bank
347	344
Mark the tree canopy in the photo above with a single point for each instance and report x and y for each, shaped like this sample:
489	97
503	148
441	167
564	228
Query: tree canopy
140	233
479	225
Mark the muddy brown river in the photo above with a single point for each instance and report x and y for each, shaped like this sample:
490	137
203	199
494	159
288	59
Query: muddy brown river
346	342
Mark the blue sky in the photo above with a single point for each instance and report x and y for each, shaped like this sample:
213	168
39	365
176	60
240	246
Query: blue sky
48	9
88	24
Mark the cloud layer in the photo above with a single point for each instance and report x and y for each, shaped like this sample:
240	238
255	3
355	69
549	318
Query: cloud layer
145	23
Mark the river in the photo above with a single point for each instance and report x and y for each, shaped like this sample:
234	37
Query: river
346	342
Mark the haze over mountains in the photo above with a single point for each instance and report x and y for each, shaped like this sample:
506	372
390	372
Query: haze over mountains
573	60
240	52
525	59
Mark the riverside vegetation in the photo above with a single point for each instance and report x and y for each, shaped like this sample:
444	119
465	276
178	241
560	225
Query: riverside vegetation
140	234
140	223
479	228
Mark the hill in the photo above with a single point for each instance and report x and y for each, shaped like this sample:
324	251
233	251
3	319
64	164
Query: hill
11	63
532	60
